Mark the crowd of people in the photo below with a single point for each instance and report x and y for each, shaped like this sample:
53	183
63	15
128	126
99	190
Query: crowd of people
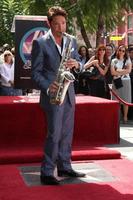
105	66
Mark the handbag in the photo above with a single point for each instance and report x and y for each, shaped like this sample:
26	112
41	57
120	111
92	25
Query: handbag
118	83
91	73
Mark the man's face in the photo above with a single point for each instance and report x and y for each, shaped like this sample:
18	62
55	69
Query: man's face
58	25
109	51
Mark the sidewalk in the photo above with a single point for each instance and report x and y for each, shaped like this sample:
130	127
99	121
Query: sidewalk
126	141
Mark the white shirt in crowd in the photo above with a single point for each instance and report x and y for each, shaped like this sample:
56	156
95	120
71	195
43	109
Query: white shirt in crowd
117	63
7	74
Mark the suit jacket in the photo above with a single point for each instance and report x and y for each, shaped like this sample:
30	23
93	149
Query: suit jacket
46	59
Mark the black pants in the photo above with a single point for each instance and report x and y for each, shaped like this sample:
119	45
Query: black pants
97	88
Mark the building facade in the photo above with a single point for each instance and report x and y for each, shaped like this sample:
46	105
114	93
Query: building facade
123	34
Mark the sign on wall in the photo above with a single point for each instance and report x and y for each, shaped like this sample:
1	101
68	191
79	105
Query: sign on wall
27	29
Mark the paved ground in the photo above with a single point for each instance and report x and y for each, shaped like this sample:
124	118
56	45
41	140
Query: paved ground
126	140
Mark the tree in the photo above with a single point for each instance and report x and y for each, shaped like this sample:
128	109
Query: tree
92	16
8	8
78	13
103	16
35	7
99	17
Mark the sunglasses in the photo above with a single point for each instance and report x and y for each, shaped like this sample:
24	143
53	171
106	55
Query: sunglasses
122	50
7	54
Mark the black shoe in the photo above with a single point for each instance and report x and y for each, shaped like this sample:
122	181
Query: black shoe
49	180
70	173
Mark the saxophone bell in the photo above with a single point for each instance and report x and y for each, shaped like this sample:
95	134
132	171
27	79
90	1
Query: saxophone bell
65	79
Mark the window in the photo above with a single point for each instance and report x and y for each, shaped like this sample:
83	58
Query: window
130	21
130	38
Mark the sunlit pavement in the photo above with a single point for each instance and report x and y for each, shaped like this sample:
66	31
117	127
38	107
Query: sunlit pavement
126	140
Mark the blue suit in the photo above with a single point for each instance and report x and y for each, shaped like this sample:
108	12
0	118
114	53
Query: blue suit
60	118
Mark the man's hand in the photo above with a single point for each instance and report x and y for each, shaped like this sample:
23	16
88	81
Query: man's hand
72	63
53	87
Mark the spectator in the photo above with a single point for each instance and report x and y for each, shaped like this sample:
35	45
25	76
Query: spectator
121	67
80	85
100	63
109	51
84	54
110	54
91	52
7	76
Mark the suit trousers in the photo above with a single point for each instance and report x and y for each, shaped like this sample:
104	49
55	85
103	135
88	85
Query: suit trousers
60	123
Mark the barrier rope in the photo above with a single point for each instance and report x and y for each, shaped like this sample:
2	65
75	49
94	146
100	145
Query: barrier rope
120	99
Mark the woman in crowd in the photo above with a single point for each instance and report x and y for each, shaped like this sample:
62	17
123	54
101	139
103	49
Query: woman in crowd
121	67
80	85
84	54
7	76
99	62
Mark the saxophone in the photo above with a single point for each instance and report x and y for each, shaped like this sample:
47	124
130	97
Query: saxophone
64	76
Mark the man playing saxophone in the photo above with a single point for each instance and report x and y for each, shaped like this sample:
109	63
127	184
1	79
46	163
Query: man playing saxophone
47	53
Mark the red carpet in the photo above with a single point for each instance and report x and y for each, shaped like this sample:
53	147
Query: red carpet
23	129
22	155
12	186
95	153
